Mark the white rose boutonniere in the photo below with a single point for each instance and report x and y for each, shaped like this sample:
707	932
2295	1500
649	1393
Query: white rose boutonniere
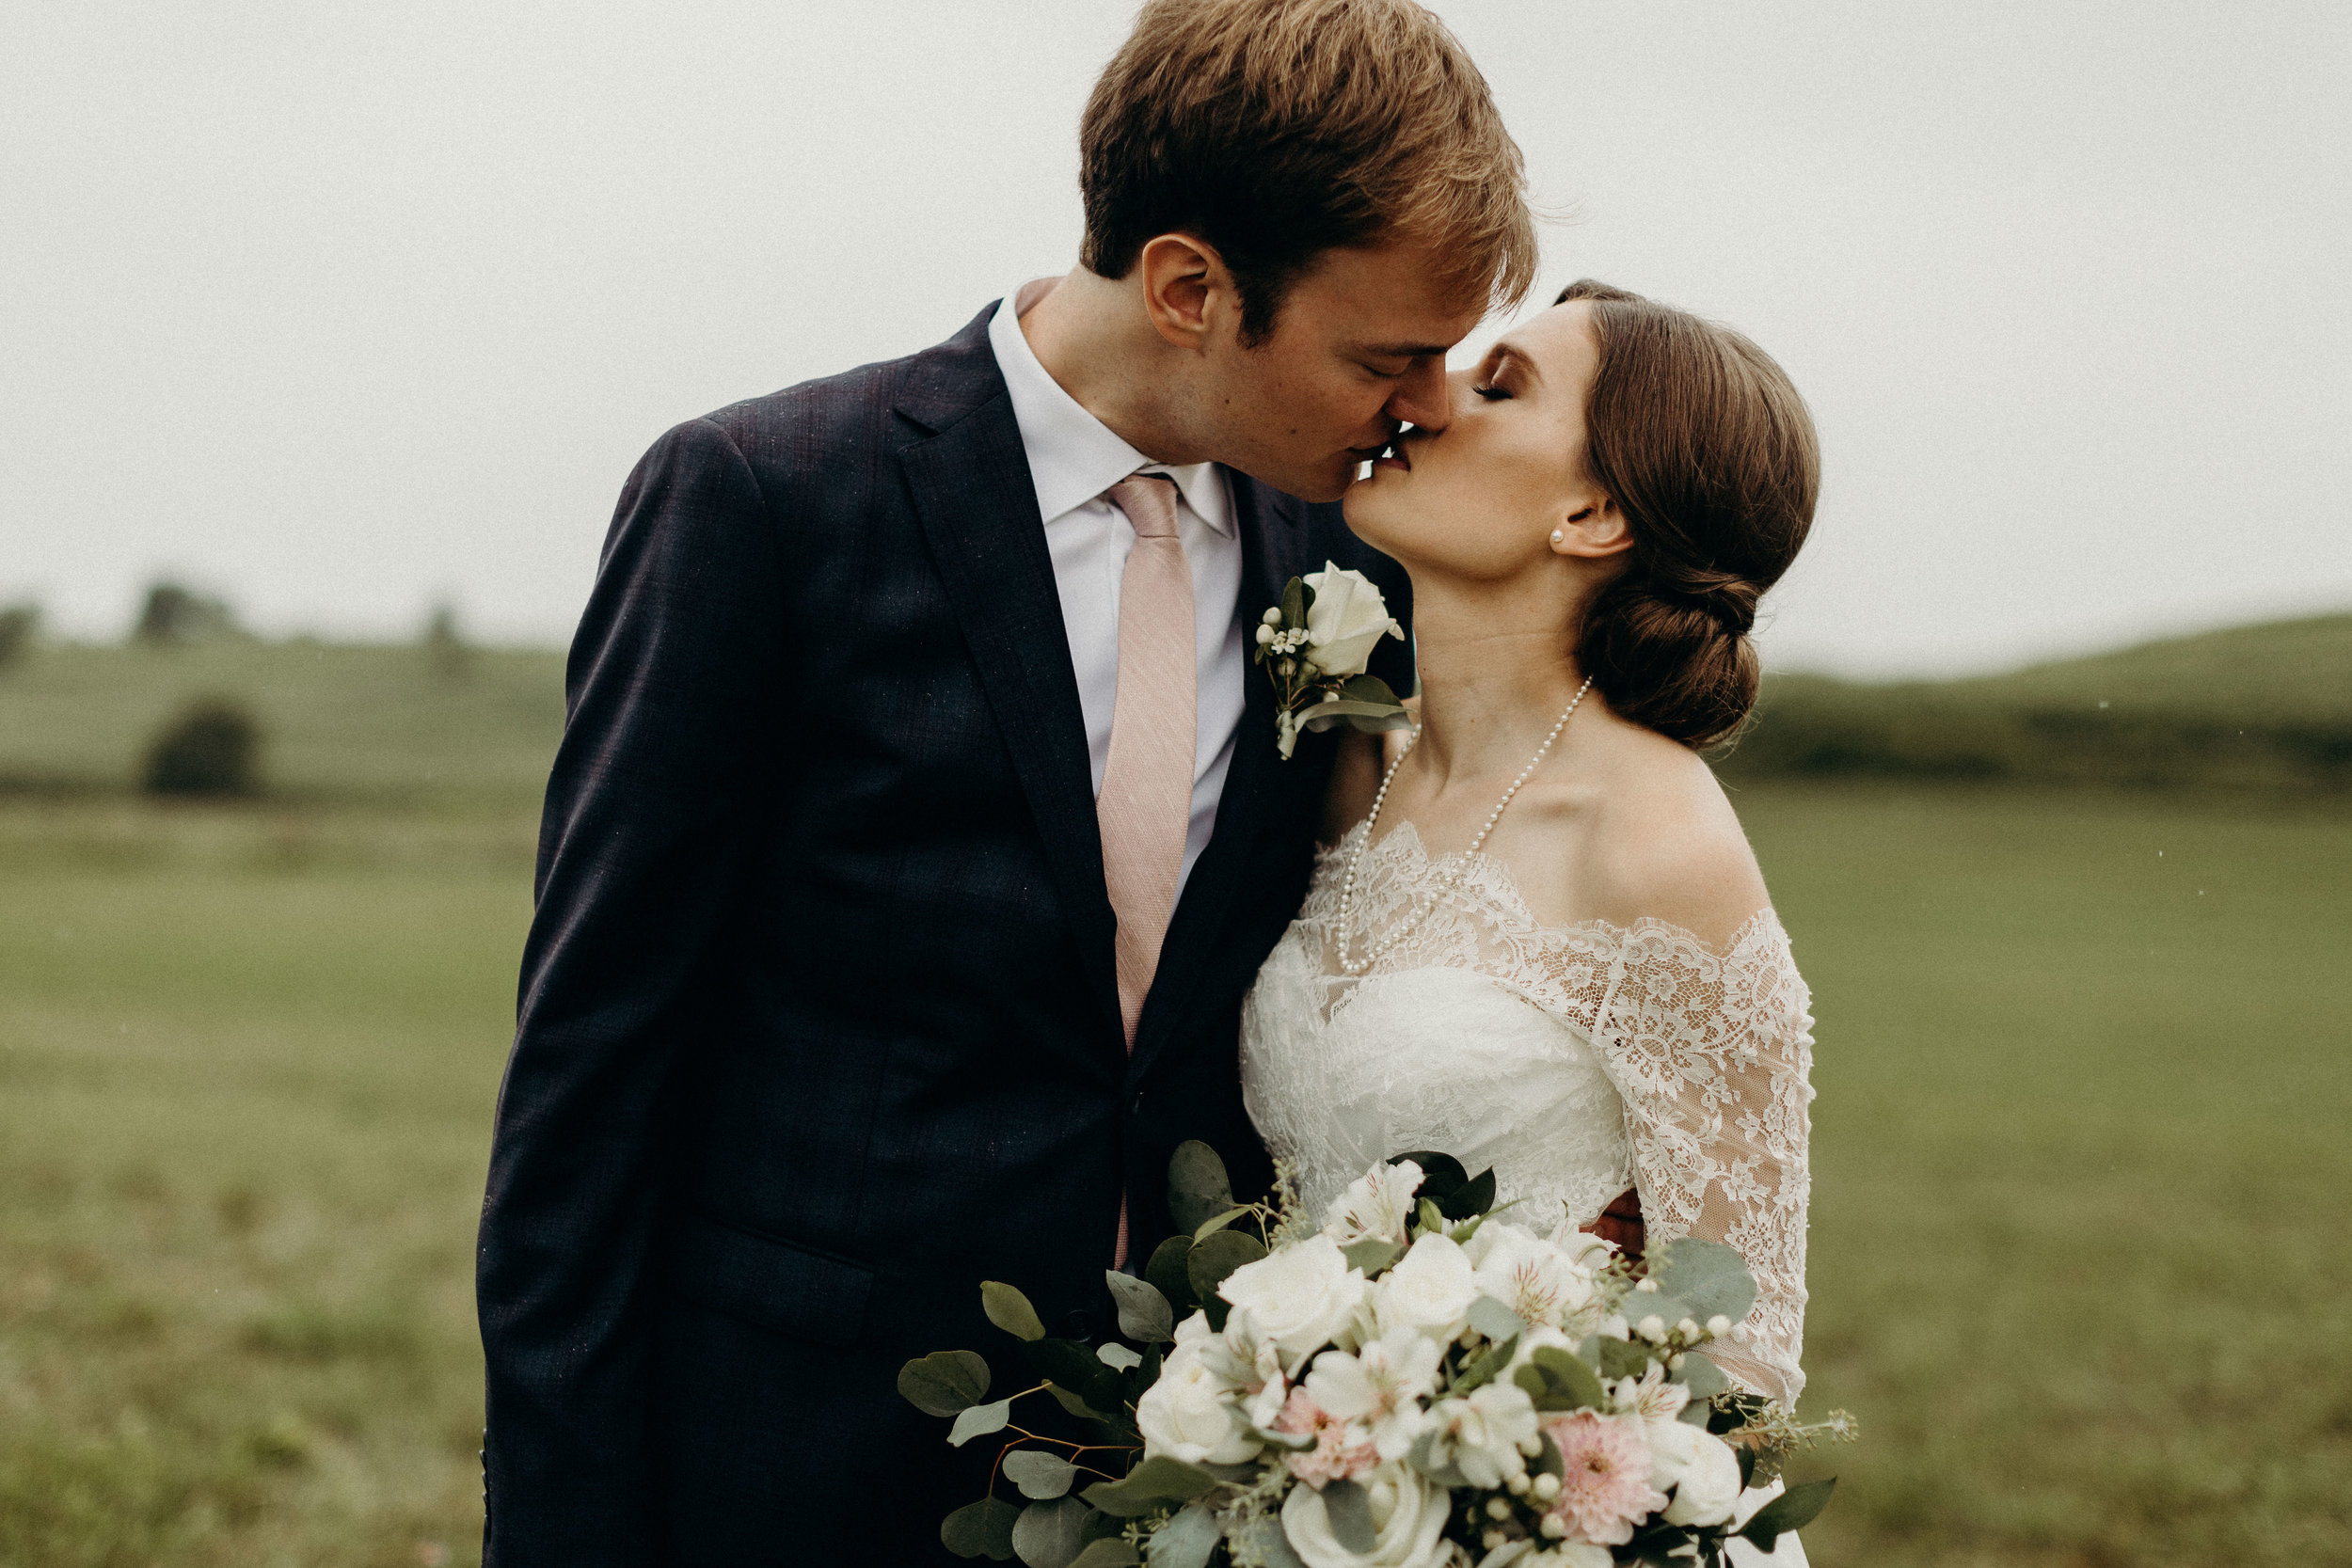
1316	644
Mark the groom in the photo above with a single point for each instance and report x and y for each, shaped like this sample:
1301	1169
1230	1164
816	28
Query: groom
918	825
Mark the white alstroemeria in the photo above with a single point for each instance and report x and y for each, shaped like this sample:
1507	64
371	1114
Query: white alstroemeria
1430	1289
1194	1327
1649	1396
1346	621
1295	1298
1188	1414
1584	1249
1482	1433
1380	1386
1698	1468
1409	1517
1528	1274
1375	1205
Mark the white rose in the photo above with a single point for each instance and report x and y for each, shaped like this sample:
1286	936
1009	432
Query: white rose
1480	1434
1346	620
1375	1204
1529	1274
1187	1413
1408	1519
1698	1468
1295	1298
1430	1289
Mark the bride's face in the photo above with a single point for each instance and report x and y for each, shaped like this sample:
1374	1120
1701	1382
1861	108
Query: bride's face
1480	499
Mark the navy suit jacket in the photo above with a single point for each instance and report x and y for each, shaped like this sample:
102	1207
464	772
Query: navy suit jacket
818	1023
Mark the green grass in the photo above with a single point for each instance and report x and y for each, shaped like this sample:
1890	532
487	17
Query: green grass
2078	1247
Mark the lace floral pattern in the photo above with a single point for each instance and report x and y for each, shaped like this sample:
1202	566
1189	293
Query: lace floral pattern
1576	1059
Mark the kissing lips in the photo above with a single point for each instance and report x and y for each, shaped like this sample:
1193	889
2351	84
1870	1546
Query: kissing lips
1393	456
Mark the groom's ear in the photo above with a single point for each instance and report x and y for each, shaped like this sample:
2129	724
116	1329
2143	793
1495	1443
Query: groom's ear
1187	291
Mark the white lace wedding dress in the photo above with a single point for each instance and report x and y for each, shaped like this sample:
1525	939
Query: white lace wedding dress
1577	1060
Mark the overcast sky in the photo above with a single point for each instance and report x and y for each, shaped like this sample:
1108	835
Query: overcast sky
340	307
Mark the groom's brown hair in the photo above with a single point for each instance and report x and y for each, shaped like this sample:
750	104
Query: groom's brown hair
1278	130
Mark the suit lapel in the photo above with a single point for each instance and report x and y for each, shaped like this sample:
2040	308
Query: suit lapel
1273	543
970	479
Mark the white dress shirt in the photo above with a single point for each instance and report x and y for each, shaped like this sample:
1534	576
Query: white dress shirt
1073	457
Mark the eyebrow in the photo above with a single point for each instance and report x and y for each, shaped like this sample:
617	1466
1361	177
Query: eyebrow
1406	351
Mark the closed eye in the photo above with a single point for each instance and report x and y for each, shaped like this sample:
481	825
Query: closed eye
1491	394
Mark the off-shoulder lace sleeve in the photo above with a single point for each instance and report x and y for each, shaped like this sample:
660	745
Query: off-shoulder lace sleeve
1712	1053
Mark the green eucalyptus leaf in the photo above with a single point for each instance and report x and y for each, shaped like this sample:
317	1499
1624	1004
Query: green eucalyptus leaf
1166	1270
1708	1277
1220	1222
1289	1442
1051	1534
1262	1538
1068	1364
1144	1313
1369	688
1216	1256
1703	1377
1347	1508
1371	1255
1039	1474
1186	1541
978	1421
983	1529
1793	1510
1118	1358
1747	1467
1618	1358
1107	1553
1073	1401
1198	1187
945	1383
1395	719
1496	1320
1557	1380
1010	1310
1157	1482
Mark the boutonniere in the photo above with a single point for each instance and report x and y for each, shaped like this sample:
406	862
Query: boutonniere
1314	647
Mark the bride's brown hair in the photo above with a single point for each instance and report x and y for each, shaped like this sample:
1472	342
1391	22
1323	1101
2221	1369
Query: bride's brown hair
1704	445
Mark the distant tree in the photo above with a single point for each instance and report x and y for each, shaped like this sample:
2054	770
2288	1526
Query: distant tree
20	628
213	747
445	643
175	614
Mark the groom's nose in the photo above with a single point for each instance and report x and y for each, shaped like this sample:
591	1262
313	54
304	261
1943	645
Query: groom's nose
1421	397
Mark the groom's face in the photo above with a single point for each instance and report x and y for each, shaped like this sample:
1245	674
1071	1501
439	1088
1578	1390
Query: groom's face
1357	351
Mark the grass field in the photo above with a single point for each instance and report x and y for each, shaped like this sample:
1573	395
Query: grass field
2079	1257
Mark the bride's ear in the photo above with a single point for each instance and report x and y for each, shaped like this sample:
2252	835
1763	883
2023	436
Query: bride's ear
1594	531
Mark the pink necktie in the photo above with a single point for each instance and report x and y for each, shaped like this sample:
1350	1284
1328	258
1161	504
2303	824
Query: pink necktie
1146	802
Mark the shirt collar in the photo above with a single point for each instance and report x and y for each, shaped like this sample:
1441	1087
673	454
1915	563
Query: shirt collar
1073	457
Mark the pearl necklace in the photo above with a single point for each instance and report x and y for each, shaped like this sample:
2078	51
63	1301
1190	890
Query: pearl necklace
1372	824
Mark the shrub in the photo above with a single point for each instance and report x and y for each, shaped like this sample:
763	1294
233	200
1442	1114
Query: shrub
173	614
211	748
19	625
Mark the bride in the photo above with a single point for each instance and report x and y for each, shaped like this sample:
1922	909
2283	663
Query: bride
1537	939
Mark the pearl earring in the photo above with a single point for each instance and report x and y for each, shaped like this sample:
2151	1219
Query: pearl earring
1559	536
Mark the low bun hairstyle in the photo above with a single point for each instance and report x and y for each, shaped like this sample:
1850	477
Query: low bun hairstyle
1704	445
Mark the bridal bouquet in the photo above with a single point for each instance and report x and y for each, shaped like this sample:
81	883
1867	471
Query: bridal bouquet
1418	1383
1316	647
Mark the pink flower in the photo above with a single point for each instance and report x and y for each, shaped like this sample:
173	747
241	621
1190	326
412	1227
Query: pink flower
1333	1457
1604	1489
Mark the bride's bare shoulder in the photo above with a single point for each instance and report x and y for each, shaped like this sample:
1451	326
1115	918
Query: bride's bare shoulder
1667	843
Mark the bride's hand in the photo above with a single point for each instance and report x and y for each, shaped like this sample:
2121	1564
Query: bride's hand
1621	1222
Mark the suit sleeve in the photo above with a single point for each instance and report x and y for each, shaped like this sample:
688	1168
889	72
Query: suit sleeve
667	738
